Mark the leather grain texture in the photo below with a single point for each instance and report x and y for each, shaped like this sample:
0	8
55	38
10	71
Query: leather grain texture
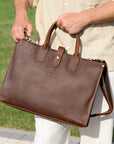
54	92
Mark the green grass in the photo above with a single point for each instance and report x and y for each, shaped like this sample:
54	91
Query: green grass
11	117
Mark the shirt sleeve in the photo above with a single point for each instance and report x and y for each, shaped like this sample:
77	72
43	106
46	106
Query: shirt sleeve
33	3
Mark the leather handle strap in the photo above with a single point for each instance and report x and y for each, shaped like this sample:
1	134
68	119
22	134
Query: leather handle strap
105	87
44	49
54	26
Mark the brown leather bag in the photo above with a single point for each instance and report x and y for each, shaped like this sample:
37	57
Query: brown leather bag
54	84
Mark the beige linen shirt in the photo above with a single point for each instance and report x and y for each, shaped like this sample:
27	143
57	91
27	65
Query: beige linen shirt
97	41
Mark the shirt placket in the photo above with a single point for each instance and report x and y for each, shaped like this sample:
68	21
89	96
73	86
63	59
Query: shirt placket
66	9
66	4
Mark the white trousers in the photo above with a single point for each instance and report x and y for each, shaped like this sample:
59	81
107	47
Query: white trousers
99	130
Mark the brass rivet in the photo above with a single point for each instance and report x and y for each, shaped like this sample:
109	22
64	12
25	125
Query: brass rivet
58	57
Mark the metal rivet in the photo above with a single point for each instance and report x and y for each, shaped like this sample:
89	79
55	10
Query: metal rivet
57	57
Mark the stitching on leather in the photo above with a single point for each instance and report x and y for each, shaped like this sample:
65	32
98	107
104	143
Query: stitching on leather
26	110
95	90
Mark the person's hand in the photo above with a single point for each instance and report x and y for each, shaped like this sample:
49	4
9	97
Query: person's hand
72	22
18	28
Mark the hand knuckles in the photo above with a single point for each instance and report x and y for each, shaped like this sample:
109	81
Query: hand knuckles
70	32
59	18
30	25
13	30
20	28
58	22
64	25
62	20
20	37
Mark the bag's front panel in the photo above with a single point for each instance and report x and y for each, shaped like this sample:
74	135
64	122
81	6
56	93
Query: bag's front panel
54	92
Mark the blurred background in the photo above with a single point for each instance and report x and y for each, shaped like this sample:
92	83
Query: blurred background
11	117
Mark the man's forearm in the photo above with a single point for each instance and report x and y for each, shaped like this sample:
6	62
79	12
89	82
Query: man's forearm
100	14
21	8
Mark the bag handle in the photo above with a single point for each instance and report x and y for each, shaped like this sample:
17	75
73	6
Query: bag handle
45	47
54	26
105	87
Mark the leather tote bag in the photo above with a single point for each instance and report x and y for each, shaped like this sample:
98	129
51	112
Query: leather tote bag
54	84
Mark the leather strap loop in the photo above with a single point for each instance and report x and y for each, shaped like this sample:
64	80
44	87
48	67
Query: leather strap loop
73	63
58	56
42	54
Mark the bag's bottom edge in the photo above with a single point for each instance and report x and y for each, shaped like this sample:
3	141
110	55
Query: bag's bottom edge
36	113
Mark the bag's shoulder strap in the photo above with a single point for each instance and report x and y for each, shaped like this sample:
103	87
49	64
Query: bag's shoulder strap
105	86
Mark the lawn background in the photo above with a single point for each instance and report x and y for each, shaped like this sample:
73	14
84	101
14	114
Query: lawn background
11	117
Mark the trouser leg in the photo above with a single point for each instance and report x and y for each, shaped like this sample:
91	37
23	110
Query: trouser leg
51	131
100	129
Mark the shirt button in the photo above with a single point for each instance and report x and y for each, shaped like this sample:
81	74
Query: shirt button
66	4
